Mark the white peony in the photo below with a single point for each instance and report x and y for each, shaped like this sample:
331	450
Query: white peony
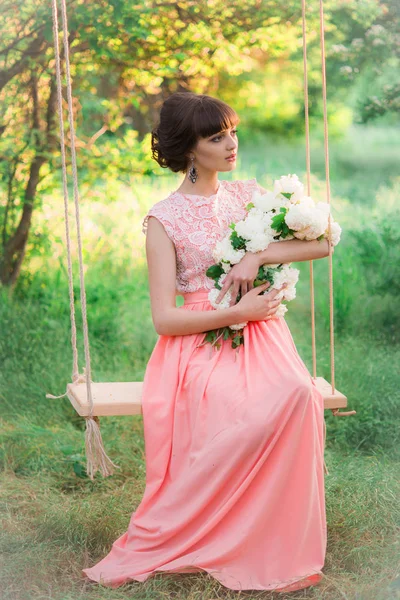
336	231
289	293
307	222
223	250
235	256
307	201
268	201
251	225
281	310
287	275
226	266
214	293
258	243
238	326
289	184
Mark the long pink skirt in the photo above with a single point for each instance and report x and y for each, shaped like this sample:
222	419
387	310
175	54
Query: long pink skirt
234	446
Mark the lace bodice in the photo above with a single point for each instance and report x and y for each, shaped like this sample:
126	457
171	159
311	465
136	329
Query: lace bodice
195	223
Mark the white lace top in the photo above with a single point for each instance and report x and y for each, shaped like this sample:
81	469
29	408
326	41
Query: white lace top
194	223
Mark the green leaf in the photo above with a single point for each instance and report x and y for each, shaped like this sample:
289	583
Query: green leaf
210	336
257	282
238	243
277	222
215	271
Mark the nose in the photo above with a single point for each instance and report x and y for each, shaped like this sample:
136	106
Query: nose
230	145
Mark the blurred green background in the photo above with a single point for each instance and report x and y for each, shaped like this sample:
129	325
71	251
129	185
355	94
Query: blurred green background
126	59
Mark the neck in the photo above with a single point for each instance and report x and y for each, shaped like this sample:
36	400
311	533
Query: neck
206	184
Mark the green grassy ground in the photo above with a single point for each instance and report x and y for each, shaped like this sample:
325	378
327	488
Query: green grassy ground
55	521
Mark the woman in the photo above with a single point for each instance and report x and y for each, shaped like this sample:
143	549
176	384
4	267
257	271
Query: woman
234	441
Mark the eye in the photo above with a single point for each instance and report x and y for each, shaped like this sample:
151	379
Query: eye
219	136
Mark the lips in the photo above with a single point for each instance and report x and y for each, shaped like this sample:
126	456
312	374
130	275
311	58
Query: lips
231	156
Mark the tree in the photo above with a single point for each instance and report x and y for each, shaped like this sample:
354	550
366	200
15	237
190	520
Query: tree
126	59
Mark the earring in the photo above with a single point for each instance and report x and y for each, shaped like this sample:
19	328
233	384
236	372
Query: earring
193	173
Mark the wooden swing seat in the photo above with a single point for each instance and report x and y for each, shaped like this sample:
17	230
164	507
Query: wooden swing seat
125	398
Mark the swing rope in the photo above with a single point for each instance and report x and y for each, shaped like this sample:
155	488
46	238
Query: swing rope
308	169
335	411
328	194
97	459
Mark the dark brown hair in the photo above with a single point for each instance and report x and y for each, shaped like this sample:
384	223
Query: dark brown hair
184	118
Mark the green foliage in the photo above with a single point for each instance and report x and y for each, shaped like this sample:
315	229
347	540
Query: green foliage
215	271
377	246
238	242
126	61
278	221
373	107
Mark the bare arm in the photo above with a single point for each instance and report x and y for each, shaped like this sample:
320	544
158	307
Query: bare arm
168	319
287	251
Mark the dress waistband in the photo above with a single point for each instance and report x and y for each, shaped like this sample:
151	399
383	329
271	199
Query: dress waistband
197	296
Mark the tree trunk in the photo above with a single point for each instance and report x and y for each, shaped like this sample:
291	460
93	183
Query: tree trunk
15	247
14	250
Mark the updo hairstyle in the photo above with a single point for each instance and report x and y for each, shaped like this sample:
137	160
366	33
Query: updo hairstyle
184	118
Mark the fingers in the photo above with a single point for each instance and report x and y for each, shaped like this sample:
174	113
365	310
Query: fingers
274	292
234	293
235	289
246	286
224	289
274	305
262	287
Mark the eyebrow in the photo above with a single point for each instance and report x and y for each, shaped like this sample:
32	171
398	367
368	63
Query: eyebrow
223	130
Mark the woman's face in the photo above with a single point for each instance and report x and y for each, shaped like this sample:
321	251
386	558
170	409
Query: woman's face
211	153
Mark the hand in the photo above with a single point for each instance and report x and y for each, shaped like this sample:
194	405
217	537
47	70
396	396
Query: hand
242	276
258	307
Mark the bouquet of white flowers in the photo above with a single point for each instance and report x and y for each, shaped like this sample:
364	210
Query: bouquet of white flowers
285	213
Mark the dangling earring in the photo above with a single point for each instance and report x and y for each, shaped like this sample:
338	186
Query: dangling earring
193	173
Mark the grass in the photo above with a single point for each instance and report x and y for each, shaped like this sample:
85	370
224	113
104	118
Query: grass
50	533
55	521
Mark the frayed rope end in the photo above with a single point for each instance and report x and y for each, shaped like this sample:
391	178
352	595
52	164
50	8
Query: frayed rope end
97	459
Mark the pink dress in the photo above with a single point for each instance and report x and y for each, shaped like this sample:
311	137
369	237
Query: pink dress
234	442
